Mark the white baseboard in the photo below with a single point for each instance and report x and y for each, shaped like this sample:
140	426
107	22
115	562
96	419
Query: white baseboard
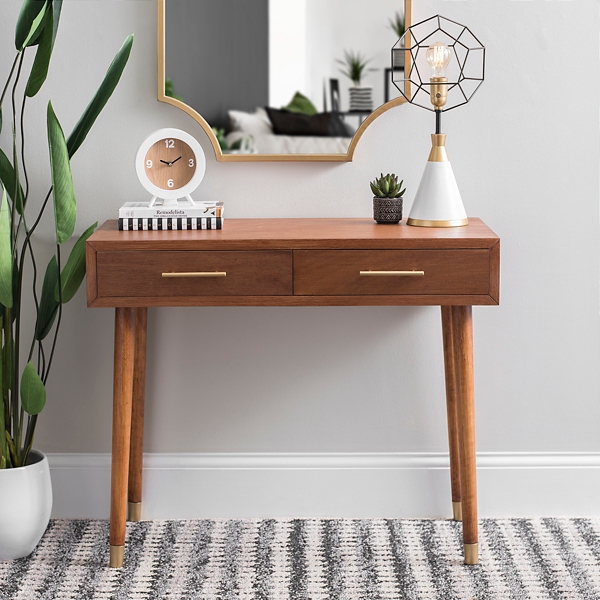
350	485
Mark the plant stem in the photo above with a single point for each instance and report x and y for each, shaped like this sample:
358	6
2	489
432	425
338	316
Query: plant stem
15	226
3	453
23	152
41	373
15	230
20	449
27	245
11	424
9	78
28	444
6	368
39	217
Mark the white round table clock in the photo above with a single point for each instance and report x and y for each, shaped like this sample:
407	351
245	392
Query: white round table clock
170	165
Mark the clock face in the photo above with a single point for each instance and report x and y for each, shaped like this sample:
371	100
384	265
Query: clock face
170	163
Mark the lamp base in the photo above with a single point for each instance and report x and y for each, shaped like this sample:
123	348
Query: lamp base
437	201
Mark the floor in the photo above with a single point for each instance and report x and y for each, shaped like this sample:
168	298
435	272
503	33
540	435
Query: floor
312	559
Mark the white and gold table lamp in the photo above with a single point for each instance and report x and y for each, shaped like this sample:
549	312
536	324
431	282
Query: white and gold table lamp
455	61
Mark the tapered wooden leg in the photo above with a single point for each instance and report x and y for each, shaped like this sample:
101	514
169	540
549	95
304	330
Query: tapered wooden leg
462	326
122	401
449	369
136	451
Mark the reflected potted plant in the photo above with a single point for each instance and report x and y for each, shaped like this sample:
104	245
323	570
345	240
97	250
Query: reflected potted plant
355	67
398	26
24	472
243	145
170	90
387	198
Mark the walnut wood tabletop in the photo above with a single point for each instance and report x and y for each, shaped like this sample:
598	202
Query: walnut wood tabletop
292	262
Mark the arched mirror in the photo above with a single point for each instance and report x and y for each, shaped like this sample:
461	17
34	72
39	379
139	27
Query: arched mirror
281	80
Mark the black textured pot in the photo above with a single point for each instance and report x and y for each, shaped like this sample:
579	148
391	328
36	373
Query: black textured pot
387	210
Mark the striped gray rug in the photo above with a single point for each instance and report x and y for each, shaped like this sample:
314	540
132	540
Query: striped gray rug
312	559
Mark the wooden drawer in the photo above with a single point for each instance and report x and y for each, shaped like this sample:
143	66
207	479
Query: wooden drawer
160	274
413	272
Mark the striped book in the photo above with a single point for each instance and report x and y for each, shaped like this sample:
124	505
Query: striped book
171	224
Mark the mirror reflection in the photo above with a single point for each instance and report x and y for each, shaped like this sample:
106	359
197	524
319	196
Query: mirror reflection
283	76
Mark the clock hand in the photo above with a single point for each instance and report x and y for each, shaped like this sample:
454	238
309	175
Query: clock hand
164	161
175	160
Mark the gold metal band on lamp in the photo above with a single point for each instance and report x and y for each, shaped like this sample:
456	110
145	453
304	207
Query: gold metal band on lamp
438	148
457	511
134	511
199	274
471	554
116	557
392	273
425	223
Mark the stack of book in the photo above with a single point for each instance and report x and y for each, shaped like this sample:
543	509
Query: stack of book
140	216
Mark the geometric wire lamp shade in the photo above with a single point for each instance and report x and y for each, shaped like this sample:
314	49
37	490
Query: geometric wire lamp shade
444	67
465	70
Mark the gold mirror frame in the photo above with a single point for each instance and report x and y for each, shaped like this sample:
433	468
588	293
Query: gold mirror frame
267	157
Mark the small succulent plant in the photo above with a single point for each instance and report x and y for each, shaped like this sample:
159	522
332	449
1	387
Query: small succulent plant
387	186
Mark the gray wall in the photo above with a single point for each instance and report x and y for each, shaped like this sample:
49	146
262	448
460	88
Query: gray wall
218	55
525	154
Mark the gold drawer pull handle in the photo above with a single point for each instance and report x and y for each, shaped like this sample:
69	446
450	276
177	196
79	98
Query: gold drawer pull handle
200	274
392	273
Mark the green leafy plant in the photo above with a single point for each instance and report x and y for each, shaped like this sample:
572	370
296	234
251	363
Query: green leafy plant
23	392
355	66
398	24
170	90
220	135
387	186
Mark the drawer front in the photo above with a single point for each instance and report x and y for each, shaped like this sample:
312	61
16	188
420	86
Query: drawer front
391	272
189	273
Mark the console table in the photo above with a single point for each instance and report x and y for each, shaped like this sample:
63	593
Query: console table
291	262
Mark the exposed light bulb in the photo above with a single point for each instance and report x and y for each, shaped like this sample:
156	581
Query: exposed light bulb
438	57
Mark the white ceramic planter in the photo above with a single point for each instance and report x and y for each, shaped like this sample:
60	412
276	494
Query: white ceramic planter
26	503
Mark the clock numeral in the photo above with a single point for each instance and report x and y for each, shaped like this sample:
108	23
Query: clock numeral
170	143
170	183
191	162
149	164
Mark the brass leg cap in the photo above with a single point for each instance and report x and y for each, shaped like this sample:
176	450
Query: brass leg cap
134	511
116	556
471	554
457	511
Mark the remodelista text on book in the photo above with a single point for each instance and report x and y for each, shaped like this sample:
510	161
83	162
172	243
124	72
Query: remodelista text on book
141	210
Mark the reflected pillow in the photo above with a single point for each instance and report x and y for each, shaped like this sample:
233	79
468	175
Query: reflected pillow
301	104
339	128
256	123
321	124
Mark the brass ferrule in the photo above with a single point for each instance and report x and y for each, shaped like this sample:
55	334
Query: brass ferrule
117	554
134	511
438	148
471	554
439	91
457	511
